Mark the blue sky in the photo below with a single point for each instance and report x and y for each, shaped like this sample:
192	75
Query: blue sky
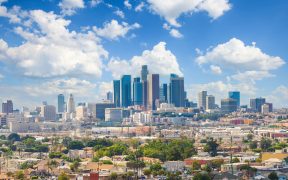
49	47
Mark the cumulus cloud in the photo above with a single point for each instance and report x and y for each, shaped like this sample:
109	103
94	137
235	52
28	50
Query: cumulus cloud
251	76
113	30
175	33
11	14
140	7
119	13
50	49
69	7
235	54
127	4
160	60
171	10
247	61
279	97
215	69
94	3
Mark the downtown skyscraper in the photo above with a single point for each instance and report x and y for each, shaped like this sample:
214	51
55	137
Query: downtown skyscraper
116	93
153	90
61	103
137	91
125	90
235	95
144	74
176	91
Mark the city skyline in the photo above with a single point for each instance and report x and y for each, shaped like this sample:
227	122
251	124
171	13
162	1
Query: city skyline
179	42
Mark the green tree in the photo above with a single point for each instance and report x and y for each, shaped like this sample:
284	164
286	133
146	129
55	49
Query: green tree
13	137
19	175
74	166
235	160
196	165
253	145
63	176
76	145
211	147
113	176
201	176
155	167
147	172
273	176
265	144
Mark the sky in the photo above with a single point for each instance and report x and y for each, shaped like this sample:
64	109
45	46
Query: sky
48	47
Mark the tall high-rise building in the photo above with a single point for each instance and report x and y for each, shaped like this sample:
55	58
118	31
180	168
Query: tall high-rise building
137	91
70	104
176	91
109	96
202	99
210	102
7	107
48	112
228	105
266	108
116	89
164	93
144	72
125	90
153	90
256	104
61	103
235	95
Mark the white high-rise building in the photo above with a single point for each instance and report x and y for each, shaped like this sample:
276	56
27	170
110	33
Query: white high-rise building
202	99
210	102
70	104
48	112
81	113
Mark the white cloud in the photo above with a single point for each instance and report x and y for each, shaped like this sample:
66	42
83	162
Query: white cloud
69	7
113	30
127	4
67	86
215	69
159	60
175	33
50	49
119	13
251	76
234	54
171	10
279	97
94	3
140	7
11	14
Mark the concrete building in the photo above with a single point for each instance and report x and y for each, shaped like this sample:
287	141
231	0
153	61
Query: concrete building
210	102
153	90
228	105
256	104
81	113
113	114
266	108
202	99
70	104
99	110
7	107
48	112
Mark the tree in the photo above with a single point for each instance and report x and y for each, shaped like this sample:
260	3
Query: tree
76	145
249	137
66	141
265	144
273	176
13	137
155	167
211	147
235	160
113	176
147	172
74	166
63	176
19	175
196	165
253	144
201	176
